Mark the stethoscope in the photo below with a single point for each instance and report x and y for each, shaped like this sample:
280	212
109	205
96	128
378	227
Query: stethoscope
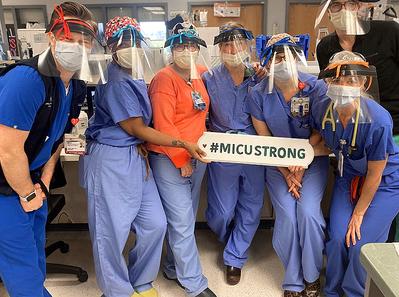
329	118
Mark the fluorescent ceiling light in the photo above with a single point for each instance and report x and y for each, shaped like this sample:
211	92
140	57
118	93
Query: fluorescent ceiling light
153	8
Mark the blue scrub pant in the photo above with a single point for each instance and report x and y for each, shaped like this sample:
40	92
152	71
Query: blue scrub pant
121	200
298	236
235	202
22	248
180	198
344	272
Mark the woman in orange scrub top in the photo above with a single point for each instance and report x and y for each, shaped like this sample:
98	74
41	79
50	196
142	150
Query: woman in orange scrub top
180	103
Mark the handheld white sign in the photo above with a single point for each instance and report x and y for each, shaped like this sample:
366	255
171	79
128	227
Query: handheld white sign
256	150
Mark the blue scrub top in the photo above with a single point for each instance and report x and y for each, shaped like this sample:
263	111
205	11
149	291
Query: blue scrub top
22	93
119	99
227	108
374	139
276	112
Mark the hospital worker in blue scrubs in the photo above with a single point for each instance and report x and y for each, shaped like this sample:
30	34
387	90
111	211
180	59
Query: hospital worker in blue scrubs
39	97
366	192
235	191
280	106
122	195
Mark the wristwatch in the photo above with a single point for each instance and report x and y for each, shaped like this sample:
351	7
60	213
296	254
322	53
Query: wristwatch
29	197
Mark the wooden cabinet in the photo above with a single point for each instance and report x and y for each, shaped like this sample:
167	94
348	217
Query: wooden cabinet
252	17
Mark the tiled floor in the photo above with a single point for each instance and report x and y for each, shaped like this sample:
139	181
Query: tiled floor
262	274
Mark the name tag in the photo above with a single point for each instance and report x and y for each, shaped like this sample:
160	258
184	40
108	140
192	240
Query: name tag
199	103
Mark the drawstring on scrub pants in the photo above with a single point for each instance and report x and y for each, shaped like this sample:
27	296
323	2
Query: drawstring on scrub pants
142	151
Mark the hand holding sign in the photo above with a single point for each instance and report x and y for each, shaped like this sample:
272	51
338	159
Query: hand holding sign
256	150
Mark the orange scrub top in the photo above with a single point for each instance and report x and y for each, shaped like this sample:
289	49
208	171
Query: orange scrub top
174	113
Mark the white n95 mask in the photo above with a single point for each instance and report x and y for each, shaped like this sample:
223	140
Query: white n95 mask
130	57
344	20
282	71
343	95
185	59
69	55
234	60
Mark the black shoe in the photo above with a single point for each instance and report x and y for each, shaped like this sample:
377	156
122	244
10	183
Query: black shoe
293	294
233	275
206	293
173	279
312	289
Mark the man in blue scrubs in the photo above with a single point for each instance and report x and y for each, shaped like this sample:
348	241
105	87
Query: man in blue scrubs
38	100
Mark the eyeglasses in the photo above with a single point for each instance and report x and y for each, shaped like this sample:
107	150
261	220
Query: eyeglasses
349	5
181	47
279	59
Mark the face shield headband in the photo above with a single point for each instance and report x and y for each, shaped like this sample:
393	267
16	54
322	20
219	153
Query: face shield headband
66	26
233	34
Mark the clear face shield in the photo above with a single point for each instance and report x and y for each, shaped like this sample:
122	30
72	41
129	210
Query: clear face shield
133	55
236	47
188	56
385	12
79	55
237	52
283	67
351	86
350	17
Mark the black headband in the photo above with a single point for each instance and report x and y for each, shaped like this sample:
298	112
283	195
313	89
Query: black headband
233	34
348	70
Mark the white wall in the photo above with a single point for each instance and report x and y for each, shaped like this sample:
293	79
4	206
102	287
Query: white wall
275	8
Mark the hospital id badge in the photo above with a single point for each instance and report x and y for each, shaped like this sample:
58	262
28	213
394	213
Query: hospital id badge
199	103
300	106
75	144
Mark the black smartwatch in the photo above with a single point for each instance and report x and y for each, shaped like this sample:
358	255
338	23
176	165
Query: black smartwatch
28	198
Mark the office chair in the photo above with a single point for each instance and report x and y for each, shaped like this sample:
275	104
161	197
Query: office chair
55	203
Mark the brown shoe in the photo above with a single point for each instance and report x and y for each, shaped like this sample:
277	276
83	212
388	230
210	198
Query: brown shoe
293	294
233	275
312	289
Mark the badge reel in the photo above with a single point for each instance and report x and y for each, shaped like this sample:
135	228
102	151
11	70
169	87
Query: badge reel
75	143
300	105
